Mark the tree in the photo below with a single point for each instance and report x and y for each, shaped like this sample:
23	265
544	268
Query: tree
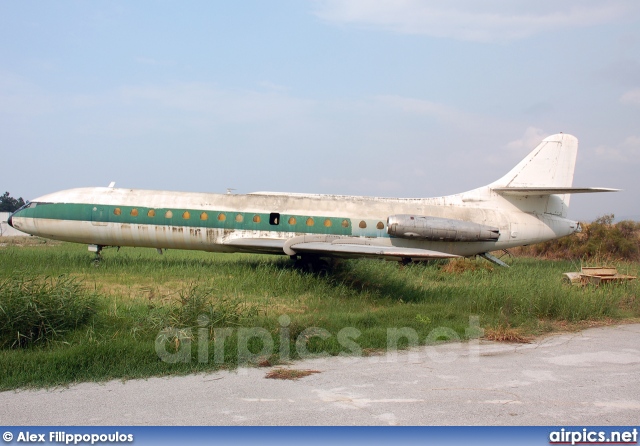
10	204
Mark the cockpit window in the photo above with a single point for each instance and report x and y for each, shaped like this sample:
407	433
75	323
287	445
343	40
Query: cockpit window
32	204
27	205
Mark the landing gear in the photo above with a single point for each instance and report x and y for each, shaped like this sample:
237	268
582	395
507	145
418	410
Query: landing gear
98	251
493	259
313	264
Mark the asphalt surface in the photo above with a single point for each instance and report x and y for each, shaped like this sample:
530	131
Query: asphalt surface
586	378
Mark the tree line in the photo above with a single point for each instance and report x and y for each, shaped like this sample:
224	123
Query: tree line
10	204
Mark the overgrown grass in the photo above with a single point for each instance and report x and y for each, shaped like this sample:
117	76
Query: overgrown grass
36	310
208	311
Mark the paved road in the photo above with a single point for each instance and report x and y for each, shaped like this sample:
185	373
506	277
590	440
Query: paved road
586	378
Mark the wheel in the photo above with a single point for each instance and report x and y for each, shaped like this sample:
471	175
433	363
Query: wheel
313	264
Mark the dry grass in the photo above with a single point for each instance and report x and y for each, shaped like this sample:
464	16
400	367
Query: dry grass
572	327
27	241
458	266
601	241
264	362
366	352
291	374
507	334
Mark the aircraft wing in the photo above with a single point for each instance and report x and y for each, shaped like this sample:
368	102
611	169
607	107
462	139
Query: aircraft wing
336	246
551	190
349	250
256	244
354	247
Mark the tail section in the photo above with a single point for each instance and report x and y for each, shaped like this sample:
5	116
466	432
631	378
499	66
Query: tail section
542	182
550	165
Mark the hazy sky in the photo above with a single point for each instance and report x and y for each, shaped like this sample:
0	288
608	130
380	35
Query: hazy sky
401	98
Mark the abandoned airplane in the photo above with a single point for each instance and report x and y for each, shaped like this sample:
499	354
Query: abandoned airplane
527	205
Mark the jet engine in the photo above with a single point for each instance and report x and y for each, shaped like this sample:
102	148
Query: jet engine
439	229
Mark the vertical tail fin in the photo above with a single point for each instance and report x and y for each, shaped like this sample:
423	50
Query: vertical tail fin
549	165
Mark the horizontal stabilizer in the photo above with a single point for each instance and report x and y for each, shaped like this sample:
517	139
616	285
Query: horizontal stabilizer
550	190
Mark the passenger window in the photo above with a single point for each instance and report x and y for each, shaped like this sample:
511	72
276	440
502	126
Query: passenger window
134	212
204	216
292	220
221	217
168	214
327	223
256	219
186	215
151	213
380	225
117	211
309	221
274	218
239	218
345	223
363	224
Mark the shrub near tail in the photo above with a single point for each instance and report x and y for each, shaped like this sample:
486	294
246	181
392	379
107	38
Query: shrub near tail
35	310
601	240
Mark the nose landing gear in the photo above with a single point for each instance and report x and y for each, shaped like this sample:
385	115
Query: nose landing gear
98	257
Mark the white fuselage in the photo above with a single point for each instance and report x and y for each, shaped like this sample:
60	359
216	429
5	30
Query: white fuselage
88	215
527	205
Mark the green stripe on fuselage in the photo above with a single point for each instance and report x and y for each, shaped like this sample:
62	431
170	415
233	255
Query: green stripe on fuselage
100	213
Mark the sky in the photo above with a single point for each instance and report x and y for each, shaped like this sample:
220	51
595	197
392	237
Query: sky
394	98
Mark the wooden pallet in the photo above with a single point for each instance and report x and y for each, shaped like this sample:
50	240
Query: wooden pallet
596	275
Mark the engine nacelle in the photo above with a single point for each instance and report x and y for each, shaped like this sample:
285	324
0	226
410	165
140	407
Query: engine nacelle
439	229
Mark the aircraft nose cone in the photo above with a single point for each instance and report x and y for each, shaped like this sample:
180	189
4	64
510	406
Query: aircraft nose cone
9	220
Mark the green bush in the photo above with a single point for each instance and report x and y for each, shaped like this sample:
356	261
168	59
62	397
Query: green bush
37	310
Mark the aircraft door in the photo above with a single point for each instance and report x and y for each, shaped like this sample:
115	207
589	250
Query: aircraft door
99	216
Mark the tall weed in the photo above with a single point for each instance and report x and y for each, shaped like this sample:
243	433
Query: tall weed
36	309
